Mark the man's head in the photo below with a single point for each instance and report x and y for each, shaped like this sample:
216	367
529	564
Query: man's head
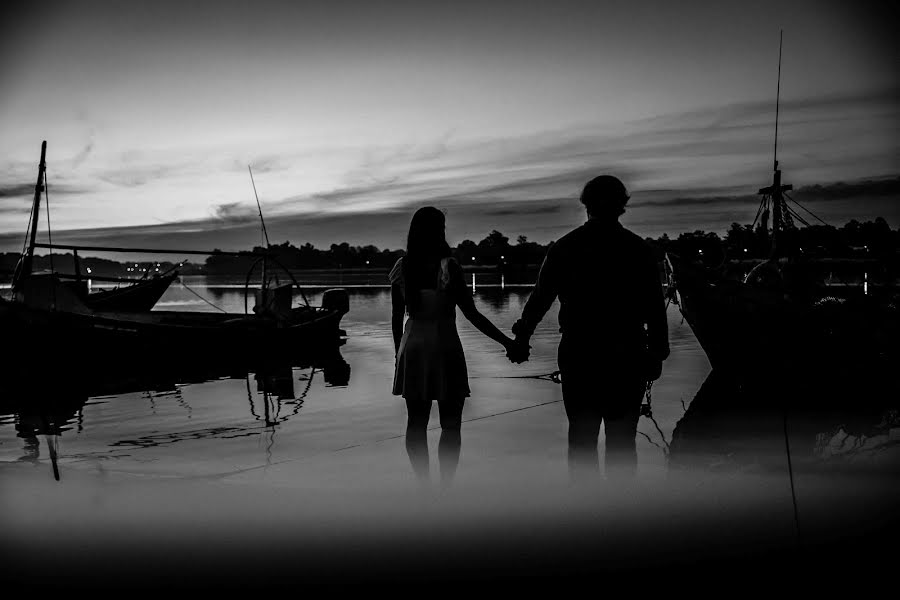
604	197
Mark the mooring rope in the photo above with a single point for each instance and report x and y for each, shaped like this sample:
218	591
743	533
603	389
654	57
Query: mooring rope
187	287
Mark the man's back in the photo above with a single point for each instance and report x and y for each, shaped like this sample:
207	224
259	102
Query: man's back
609	289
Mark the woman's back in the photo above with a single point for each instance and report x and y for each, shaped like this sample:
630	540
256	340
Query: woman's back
432	287
430	360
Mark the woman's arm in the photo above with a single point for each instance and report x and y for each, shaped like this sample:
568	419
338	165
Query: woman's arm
484	325
466	304
398	309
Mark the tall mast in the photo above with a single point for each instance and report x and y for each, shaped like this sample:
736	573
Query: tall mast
780	217
778	96
24	267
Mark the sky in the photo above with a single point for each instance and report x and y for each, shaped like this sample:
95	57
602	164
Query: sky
353	114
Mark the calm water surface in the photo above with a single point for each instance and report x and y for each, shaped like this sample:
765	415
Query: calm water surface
254	470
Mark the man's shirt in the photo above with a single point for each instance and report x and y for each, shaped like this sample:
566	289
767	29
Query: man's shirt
609	289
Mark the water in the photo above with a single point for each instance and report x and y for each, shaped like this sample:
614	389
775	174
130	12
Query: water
253	478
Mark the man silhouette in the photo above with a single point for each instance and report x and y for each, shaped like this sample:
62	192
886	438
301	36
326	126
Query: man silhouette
613	321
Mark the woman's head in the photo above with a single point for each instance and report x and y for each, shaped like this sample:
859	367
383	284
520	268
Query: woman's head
427	238
426	245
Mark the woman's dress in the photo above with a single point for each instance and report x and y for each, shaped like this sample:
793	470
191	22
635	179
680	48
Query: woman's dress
430	362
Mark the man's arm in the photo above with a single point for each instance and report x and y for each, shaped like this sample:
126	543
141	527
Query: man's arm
542	296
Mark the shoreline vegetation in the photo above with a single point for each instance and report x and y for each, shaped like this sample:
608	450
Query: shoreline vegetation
870	242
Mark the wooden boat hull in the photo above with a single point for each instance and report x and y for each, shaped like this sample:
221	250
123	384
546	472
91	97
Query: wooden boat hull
756	333
118	336
138	297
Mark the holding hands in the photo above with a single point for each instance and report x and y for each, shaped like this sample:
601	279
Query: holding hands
518	351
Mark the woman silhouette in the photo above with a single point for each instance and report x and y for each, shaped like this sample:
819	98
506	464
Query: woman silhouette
427	284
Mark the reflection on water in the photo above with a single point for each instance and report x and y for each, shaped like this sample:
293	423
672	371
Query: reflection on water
308	459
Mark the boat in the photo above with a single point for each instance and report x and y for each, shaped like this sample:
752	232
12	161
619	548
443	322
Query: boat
50	314
129	295
761	321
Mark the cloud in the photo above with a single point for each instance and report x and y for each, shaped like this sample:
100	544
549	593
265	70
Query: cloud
131	177
26	190
235	212
546	209
79	158
16	190
810	193
719	152
706	163
843	191
235	226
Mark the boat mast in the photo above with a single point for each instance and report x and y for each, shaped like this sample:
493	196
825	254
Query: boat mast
781	219
24	267
265	238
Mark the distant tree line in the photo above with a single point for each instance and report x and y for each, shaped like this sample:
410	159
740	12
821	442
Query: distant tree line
871	239
492	251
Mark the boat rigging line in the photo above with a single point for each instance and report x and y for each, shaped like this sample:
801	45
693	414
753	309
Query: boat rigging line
822	221
188	288
49	229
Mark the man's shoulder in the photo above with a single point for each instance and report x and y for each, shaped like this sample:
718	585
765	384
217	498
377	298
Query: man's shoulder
637	245
633	238
573	238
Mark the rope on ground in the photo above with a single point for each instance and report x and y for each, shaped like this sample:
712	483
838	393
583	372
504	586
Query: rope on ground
187	287
554	377
647	411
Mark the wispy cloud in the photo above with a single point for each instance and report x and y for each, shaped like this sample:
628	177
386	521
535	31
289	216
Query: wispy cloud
16	190
82	155
26	190
715	152
707	163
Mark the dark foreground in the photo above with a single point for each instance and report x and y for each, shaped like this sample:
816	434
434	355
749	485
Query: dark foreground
264	475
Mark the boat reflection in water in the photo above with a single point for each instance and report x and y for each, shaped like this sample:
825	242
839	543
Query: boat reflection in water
45	401
835	466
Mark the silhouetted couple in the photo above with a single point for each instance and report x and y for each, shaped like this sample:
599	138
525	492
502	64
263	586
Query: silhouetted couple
612	318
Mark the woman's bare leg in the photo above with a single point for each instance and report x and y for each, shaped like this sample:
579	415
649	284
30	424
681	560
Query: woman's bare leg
418	412
450	444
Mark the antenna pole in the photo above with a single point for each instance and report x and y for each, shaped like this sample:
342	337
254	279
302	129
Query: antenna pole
261	220
778	95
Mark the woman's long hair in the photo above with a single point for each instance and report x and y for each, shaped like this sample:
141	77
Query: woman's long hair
426	245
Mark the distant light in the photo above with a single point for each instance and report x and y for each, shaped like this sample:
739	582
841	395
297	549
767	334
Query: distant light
473	258
745	250
700	251
502	257
367	262
157	269
89	270
135	265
